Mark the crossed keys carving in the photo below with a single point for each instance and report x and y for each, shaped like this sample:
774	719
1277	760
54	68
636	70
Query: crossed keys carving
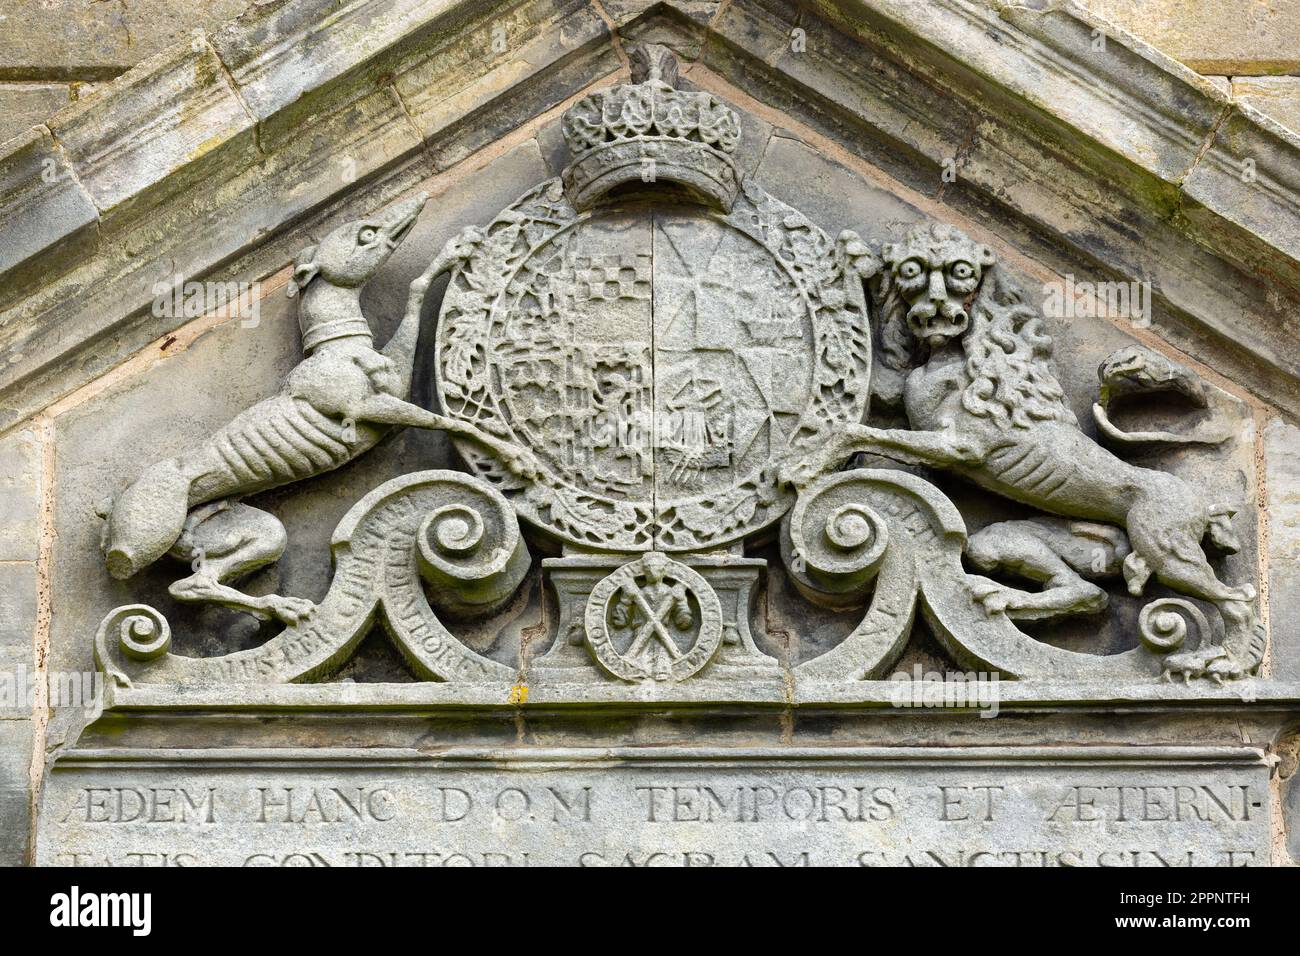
621	600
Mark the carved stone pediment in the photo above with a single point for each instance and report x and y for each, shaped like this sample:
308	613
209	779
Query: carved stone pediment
649	410
649	362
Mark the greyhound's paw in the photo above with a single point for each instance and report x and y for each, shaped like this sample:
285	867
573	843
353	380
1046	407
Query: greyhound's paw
290	610
996	598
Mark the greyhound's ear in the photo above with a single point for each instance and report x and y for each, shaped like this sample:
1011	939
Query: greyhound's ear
304	269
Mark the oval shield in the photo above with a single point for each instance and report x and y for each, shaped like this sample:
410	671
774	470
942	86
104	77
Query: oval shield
660	360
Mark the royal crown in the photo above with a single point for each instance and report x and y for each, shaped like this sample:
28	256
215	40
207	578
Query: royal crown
649	131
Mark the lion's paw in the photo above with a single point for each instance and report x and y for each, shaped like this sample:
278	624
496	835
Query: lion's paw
1190	664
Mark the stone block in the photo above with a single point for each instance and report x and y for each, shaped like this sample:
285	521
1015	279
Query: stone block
23	105
15	753
1224	37
1274	96
167	114
459	93
674	806
71	39
1282	479
17	614
43	204
1247	181
20	495
15	788
15	825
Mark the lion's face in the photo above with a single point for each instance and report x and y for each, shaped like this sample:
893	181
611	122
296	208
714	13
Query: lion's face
936	270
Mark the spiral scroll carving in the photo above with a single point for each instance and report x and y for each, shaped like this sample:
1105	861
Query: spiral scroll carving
833	543
1163	624
142	632
470	548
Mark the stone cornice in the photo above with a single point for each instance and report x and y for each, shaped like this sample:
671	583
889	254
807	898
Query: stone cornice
209	156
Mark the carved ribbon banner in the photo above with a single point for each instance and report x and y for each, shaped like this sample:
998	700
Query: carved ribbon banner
376	566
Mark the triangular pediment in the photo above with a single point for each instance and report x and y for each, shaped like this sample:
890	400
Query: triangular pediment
711	388
221	158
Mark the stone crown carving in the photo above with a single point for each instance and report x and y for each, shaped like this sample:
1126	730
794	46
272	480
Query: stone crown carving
650	131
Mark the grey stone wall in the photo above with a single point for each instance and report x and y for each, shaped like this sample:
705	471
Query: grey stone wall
54	52
1247	49
268	155
22	603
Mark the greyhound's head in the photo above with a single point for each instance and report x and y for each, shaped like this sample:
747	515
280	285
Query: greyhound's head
351	254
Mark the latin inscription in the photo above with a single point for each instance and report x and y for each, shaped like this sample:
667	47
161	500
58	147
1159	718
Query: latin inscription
657	816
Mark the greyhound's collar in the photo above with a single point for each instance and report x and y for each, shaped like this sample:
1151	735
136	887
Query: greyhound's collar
317	333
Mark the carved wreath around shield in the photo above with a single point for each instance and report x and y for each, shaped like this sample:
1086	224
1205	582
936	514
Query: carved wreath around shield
660	361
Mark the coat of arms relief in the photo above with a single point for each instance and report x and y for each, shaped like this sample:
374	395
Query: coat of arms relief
653	371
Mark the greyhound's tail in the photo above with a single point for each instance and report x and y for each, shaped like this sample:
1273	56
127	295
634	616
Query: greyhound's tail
147	519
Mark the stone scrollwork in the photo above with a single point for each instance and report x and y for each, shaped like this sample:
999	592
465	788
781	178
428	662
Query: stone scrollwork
422	525
921	568
651	364
470	549
833	543
1162	624
381	549
142	633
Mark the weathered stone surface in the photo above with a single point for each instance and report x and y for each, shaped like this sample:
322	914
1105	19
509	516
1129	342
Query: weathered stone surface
689	807
23	105
914	127
17	615
265	25
15	823
244	193
97	442
1214	36
184	104
1249	166
1275	96
15	789
1282	477
439	96
629	362
68	39
20	484
44	204
20	495
577	519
